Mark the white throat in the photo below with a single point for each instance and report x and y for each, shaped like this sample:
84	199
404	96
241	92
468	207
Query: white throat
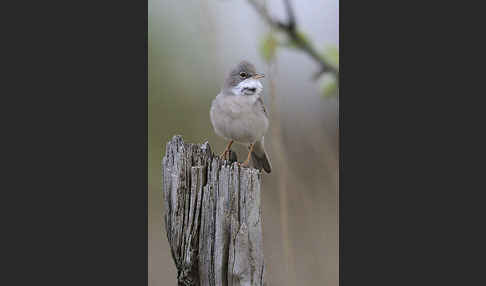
245	88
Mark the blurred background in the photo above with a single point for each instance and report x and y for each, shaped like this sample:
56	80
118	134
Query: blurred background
192	45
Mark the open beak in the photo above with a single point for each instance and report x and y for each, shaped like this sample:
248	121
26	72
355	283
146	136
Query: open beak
257	76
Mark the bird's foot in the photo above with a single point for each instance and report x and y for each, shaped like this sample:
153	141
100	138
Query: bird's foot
247	161
222	156
244	164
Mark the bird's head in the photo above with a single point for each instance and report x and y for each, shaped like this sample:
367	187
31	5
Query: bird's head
243	80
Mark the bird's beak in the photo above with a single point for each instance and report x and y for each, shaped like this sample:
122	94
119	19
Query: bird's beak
258	75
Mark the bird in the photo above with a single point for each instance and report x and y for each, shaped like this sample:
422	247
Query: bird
238	114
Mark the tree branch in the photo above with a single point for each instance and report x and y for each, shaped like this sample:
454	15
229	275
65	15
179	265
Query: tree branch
290	28
262	10
290	14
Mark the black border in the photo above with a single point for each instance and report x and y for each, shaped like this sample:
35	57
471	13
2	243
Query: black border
77	161
406	146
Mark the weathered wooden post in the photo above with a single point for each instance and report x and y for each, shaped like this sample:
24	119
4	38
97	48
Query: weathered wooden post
212	217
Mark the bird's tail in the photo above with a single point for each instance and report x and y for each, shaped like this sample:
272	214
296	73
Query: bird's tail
260	158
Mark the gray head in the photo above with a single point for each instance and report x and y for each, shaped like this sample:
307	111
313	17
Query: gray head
243	80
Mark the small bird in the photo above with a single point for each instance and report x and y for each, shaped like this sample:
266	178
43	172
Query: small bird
239	115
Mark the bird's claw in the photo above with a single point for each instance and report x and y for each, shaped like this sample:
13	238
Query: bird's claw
222	156
244	164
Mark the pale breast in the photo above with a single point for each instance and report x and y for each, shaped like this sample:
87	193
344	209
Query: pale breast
239	118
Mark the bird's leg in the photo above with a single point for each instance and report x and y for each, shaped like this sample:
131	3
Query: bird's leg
222	156
247	161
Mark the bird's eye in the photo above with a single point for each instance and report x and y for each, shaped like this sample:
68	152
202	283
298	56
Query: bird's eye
243	74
